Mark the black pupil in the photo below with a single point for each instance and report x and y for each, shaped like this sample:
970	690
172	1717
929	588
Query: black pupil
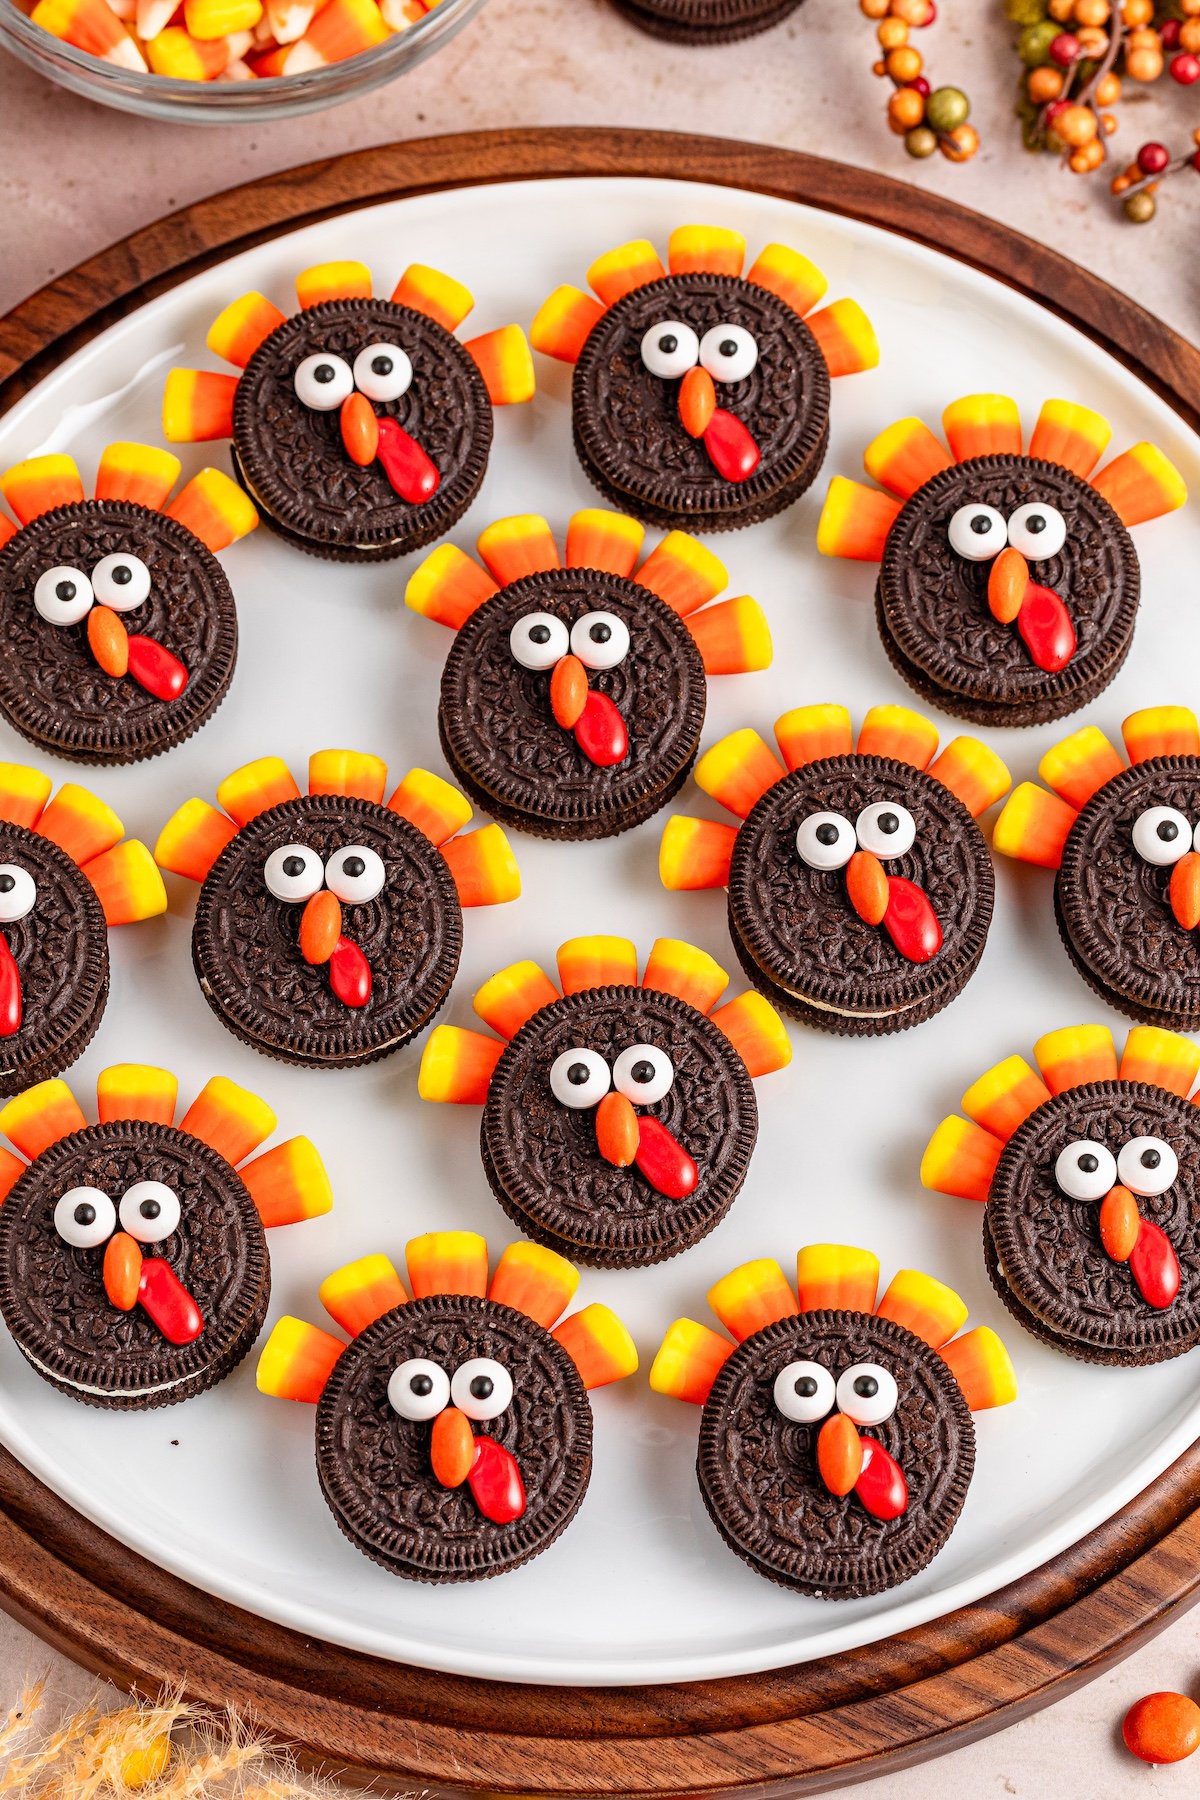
866	1387
1151	1159
539	634
600	633
421	1385
981	523
806	1386
85	1213
293	865
1168	831
728	347
324	372
1035	522
7	883
579	1074
643	1072
381	365
481	1387
1088	1164
65	590
150	1209
827	834
668	343
122	574
354	866
888	822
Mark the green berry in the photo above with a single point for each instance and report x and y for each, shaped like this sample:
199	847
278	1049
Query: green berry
920	141
1140	208
1024	12
946	109
1033	45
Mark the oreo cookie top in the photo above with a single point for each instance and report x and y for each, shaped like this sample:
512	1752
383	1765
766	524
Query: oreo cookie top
53	958
1042	1224
387	960
289	432
639	726
790	892
188	1222
520	1392
74	564
706	21
694	1125
757	1460
771	388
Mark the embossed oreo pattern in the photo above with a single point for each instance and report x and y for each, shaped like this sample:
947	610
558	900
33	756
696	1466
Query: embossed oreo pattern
61	953
627	427
52	1296
374	1466
51	687
541	1157
706	21
932	604
245	942
500	735
758	1471
1048	1246
292	460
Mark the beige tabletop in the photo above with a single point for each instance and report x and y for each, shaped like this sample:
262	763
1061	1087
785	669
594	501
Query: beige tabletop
73	177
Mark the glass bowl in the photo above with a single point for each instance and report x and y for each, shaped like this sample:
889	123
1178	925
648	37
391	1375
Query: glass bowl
230	102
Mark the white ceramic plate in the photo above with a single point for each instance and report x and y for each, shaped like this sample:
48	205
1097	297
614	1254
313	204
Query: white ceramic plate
222	1490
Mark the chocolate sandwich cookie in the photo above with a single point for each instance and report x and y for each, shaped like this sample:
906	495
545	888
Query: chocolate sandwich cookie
860	885
1090	1171
65	877
133	1261
619	1119
118	629
1008	584
700	397
329	925
705	21
573	698
1122	839
836	1440
360	425
454	1432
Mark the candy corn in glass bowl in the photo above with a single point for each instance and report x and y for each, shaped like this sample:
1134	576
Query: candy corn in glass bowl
220	61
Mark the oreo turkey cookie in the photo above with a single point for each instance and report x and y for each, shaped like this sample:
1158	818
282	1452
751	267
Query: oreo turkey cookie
573	697
705	21
836	1440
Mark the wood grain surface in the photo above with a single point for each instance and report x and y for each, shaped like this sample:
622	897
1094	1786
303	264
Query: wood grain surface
800	1730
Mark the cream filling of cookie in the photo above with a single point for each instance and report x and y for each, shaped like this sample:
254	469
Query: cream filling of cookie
838	1012
83	1387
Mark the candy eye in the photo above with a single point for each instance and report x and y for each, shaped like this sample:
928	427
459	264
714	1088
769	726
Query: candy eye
670	349
1085	1170
418	1389
977	532
1147	1166
149	1211
867	1393
322	382
538	641
63	596
1161	835
804	1392
293	872
885	828
481	1388
579	1078
643	1074
383	372
121	582
729	353
85	1217
17	893
1037	531
600	640
355	873
826	841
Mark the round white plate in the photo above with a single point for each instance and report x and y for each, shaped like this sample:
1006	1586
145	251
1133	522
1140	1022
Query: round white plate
222	1490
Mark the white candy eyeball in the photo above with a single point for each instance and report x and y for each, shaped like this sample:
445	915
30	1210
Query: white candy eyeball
1147	1166
670	349
383	372
579	1078
538	641
149	1211
885	828
121	581
1037	530
600	640
85	1217
63	596
293	872
1161	835
977	532
418	1389
323	381
18	891
481	1388
826	841
867	1393
729	353
804	1392
1085	1170
643	1073
355	873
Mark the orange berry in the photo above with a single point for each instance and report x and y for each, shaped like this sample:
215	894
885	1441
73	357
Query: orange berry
1092	12
1086	158
1092	41
874	9
1162	1727
904	64
1076	125
1044	84
913	12
1143	65
1137	12
891	34
959	145
1144	39
1107	90
878	68
1196	136
1119	183
1189	7
906	108
1189	35
1062	11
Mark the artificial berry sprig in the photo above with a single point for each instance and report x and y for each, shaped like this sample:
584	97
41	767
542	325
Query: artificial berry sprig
1137	186
927	118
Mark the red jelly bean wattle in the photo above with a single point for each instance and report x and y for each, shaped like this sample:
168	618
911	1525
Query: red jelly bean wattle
600	732
154	668
10	992
405	464
910	921
168	1302
350	973
732	451
663	1161
1154	1266
495	1482
881	1486
1046	629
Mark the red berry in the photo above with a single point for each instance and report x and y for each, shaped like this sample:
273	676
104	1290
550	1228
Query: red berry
1196	162
920	84
1153	158
1169	31
1065	49
1185	69
1055	107
931	15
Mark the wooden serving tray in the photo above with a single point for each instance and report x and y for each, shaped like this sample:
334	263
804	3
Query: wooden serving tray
800	1730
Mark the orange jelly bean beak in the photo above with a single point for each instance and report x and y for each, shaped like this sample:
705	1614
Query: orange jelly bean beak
1120	1223
617	1130
697	401
867	886
1008	579
839	1454
320	927
568	691
122	1271
108	640
452	1447
360	429
1185	891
